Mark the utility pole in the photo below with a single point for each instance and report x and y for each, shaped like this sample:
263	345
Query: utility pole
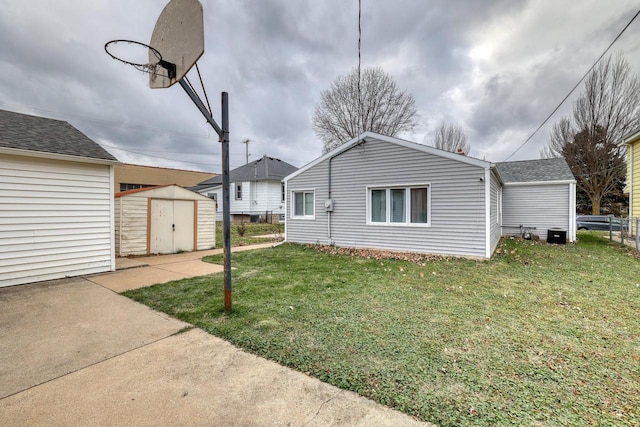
246	149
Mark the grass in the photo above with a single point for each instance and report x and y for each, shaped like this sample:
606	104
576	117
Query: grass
539	335
251	231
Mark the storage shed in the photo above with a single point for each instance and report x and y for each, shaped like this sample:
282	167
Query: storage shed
56	203
164	219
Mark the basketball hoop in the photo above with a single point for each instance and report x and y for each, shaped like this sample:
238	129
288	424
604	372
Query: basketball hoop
151	67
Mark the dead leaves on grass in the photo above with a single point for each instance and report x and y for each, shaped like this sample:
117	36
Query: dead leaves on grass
376	254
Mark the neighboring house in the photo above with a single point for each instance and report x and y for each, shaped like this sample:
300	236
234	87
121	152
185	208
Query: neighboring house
255	189
164	219
632	141
131	177
387	193
56	201
539	195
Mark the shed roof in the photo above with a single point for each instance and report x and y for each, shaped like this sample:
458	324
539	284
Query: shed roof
265	168
32	133
539	170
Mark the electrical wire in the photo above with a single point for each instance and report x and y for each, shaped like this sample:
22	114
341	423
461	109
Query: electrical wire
360	124
574	88
107	122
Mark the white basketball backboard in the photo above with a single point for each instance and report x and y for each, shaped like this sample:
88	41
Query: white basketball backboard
179	37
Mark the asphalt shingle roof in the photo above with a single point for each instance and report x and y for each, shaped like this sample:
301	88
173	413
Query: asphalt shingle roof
258	170
25	132
535	170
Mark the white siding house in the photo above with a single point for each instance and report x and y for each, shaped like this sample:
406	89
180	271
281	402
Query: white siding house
254	190
56	205
387	193
164	219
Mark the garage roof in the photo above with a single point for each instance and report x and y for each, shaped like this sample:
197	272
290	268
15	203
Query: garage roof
40	134
540	170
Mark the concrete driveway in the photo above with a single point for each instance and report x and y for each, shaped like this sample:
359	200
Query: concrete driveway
73	352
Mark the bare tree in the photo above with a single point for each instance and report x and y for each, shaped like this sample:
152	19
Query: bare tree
352	106
608	109
451	137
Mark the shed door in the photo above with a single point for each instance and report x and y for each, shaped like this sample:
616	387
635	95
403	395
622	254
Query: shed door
171	226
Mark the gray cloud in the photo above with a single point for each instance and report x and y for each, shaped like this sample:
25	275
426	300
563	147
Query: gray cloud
497	68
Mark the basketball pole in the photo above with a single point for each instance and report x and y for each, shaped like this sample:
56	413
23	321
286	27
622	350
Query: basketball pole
223	134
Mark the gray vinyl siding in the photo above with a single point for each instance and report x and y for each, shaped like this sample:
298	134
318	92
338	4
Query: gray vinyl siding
496	231
307	230
542	206
457	201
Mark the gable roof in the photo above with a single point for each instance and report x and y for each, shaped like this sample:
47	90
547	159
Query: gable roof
540	170
392	140
631	137
22	132
265	168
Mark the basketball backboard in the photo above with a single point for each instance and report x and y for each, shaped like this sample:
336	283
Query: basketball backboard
179	37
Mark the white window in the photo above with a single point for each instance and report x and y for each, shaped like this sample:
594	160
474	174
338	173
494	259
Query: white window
303	205
399	205
239	191
282	192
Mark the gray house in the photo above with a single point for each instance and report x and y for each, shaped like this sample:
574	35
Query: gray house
255	188
538	194
387	193
56	201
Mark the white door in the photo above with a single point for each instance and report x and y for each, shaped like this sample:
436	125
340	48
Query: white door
183	220
172	226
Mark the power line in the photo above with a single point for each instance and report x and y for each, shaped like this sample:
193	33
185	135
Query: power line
574	88
107	122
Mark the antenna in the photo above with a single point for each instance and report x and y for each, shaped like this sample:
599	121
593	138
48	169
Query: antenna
246	143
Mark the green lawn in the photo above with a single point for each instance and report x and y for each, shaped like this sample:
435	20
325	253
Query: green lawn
251	230
539	335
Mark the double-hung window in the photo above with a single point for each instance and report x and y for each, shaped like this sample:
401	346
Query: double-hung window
399	205
303	205
239	191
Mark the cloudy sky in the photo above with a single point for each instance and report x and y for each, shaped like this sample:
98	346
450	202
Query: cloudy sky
497	68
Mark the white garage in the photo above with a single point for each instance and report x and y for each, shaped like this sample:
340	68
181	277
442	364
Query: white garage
56	204
162	220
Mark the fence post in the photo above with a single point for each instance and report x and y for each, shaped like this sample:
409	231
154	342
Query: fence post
610	231
621	230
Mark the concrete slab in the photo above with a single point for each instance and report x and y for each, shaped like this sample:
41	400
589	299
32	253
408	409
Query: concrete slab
135	278
193	379
50	329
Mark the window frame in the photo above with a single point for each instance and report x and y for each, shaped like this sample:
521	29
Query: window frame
407	207
304	192
238	190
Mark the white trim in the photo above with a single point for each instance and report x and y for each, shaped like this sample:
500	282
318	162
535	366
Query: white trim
630	150
293	204
487	212
286	212
407	222
112	226
54	156
572	212
519	184
401	142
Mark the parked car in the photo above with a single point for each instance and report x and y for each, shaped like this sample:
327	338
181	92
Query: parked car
598	222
